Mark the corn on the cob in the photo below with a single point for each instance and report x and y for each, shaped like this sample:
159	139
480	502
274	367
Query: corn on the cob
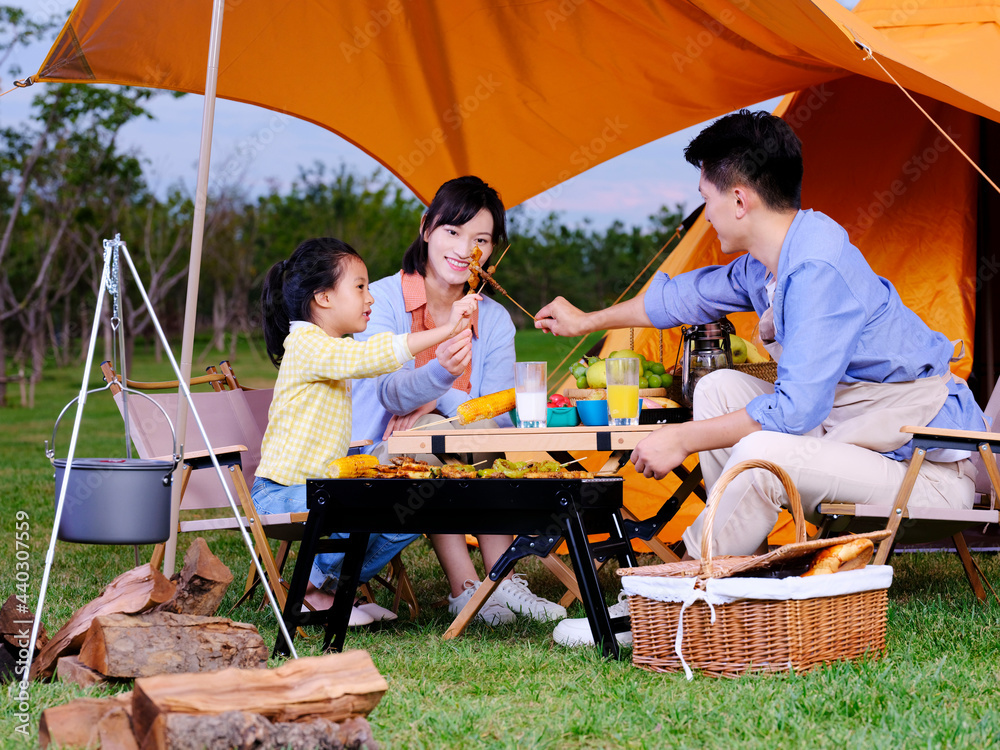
486	407
351	466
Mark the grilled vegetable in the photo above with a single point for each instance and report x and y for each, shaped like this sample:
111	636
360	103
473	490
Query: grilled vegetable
351	466
486	407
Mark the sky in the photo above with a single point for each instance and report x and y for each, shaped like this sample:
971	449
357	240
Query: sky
628	188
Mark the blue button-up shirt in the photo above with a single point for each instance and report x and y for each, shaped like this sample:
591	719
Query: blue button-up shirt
837	322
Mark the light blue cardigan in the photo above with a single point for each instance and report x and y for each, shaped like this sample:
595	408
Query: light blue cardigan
375	400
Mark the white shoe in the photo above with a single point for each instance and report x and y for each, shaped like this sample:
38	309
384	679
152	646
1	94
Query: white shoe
576	632
516	596
377	613
358	618
492	611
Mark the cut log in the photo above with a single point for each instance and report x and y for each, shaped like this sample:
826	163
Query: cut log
15	625
133	591
202	584
164	643
334	687
114	730
74	724
248	731
70	670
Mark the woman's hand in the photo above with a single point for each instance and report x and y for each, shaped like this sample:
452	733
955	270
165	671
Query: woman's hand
406	421
456	353
660	452
561	318
462	311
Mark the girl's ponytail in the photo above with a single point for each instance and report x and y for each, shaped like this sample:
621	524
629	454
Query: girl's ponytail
272	308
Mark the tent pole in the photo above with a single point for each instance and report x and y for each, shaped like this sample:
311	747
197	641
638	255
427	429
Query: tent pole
194	265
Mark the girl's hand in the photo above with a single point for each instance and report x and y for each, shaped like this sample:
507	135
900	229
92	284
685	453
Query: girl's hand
456	353
462	311
406	421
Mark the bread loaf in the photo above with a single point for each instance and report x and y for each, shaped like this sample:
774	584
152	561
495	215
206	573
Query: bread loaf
850	555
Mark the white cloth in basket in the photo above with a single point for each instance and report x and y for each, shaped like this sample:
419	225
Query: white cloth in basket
729	590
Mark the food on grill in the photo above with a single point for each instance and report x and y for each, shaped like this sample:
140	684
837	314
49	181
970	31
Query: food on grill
847	556
351	466
486	407
406	467
458	471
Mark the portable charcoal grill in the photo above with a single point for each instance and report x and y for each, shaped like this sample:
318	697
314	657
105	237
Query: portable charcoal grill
539	512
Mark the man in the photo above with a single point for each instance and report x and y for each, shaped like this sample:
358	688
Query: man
854	363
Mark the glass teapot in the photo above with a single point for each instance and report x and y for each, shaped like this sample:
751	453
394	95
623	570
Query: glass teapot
704	348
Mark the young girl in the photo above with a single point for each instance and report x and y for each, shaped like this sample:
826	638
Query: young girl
310	303
465	215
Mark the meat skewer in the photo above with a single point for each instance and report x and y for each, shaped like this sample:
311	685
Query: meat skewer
493	283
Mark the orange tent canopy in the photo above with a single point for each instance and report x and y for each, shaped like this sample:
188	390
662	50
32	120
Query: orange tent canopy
525	94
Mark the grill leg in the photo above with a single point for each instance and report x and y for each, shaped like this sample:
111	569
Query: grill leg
586	576
339	615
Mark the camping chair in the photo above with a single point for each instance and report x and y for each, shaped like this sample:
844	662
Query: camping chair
928	524
235	438
395	581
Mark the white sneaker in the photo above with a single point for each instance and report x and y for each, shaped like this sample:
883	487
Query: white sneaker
377	613
515	595
576	632
492	611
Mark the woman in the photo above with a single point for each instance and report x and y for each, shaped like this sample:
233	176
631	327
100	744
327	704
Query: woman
465	215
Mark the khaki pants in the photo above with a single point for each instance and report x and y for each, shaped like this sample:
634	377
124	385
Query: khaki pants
822	470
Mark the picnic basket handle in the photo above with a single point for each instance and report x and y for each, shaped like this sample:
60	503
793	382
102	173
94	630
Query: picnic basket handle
712	504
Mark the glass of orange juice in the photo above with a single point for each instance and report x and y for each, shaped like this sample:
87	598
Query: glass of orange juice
623	390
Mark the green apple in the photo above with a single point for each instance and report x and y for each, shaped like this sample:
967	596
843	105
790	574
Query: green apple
626	353
739	347
597	376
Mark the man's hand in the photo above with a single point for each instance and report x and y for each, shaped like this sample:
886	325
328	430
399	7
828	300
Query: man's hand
561	318
456	353
406	421
660	452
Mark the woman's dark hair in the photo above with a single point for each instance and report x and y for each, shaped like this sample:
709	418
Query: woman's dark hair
756	149
290	285
456	202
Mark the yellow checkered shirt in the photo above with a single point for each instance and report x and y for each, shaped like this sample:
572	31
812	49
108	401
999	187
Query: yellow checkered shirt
309	422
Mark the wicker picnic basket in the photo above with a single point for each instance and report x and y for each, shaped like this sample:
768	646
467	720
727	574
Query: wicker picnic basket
694	615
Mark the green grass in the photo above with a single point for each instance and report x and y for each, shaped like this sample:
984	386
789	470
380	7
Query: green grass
511	686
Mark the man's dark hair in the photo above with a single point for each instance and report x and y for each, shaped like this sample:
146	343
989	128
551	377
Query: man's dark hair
755	149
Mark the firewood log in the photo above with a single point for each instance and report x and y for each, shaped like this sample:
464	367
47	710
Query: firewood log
203	581
70	670
247	731
133	591
164	643
75	724
332	687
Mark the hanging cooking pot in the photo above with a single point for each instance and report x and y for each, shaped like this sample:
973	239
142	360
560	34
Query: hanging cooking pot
115	500
705	348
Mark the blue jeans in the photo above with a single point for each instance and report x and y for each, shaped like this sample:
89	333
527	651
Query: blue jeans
270	497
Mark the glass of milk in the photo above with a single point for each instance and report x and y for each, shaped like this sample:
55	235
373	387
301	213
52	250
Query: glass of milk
530	393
